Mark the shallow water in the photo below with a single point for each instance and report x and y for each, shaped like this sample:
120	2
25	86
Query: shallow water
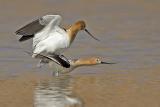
129	34
58	92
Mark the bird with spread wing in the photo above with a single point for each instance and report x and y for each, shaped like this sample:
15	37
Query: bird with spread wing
49	38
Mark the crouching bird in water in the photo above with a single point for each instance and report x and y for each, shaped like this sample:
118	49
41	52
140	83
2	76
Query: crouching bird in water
49	38
74	63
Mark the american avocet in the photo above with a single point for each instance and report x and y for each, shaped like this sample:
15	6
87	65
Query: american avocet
59	69
49	38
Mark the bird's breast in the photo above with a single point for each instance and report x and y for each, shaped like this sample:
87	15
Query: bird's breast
56	42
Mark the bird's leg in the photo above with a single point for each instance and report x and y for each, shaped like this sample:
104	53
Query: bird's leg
40	63
56	72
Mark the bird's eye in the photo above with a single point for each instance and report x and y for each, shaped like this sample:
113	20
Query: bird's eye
82	26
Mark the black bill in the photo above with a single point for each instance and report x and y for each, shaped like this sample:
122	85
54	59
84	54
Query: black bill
91	35
107	62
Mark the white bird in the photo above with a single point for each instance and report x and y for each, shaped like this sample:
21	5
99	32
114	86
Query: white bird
49	38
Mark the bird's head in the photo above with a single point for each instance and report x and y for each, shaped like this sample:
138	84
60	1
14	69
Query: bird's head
81	25
97	60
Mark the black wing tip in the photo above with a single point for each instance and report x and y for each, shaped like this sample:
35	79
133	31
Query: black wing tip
66	65
62	60
23	38
17	32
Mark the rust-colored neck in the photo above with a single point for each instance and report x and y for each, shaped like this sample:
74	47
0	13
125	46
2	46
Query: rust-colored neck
83	62
72	32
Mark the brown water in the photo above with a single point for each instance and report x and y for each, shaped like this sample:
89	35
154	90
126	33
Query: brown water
129	34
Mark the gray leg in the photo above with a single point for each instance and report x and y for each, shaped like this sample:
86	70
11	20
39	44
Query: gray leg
42	62
39	65
56	72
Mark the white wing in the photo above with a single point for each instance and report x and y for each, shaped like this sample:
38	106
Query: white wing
51	28
38	25
50	21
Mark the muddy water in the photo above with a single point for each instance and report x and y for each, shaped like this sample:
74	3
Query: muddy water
129	34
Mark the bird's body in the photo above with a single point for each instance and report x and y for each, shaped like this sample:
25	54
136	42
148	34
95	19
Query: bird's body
74	63
52	39
56	41
49	38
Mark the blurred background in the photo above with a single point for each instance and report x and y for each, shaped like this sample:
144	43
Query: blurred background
129	33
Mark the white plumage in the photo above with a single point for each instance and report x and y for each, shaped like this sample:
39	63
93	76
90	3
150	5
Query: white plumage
51	39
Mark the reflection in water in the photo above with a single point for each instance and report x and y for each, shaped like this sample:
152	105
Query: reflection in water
56	93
